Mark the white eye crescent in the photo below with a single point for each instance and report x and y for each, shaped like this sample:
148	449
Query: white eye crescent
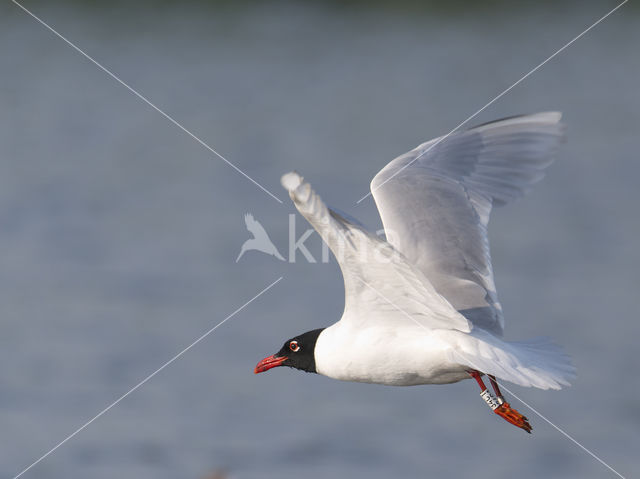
293	346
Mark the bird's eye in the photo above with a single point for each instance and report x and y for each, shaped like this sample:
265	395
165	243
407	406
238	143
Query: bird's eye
293	346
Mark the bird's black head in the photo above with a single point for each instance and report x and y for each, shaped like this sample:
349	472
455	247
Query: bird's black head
296	353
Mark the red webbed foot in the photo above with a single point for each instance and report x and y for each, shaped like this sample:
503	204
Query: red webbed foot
498	404
506	412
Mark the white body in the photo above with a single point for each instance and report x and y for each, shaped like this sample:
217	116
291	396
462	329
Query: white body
392	356
421	307
409	355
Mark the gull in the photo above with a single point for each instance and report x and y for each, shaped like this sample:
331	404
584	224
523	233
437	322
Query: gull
260	241
421	306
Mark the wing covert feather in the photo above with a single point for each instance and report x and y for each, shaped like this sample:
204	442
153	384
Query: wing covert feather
435	203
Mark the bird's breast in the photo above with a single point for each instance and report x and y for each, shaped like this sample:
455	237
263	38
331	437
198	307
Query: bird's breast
392	356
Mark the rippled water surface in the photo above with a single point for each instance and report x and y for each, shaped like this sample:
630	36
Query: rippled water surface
119	235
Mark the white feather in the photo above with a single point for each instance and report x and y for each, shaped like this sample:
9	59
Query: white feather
422	307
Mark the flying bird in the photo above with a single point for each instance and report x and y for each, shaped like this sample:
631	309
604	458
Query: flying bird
260	241
421	306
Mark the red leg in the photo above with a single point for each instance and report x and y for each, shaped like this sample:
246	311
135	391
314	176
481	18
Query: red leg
496	388
498	404
477	375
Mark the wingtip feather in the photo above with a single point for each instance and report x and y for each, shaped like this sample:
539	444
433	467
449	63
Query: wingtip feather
550	116
290	181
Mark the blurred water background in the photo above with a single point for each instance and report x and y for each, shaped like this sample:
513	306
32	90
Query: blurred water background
119	234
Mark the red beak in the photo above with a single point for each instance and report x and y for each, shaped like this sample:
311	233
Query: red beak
268	363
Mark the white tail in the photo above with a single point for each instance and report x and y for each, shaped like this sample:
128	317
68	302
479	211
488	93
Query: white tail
534	363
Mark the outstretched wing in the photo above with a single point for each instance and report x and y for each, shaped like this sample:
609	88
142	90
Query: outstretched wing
435	202
377	279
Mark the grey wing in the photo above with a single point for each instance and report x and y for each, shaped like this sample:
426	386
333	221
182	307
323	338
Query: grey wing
435	203
379	283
